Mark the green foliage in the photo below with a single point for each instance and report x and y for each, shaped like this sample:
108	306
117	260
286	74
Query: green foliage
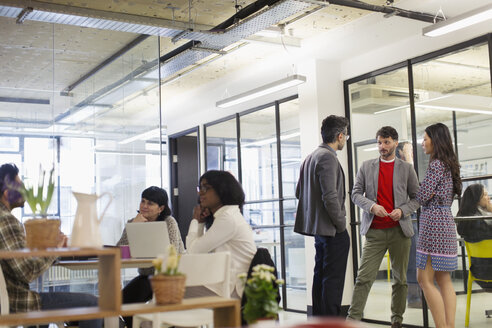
40	201
261	294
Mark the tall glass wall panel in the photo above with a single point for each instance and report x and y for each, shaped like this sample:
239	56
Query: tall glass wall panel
290	146
269	136
259	154
452	86
377	101
222	146
458	94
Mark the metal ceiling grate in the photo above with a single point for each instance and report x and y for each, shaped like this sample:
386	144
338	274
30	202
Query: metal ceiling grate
10	12
249	26
98	23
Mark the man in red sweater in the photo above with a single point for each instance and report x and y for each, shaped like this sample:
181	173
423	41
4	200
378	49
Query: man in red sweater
385	190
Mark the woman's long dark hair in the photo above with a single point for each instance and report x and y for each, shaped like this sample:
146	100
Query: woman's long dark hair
471	197
443	151
158	196
226	186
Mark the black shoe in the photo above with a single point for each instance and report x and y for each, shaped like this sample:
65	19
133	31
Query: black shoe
396	325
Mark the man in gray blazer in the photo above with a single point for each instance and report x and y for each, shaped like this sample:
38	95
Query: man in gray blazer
385	190
321	213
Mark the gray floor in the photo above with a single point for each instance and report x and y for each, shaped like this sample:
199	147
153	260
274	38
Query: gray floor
378	308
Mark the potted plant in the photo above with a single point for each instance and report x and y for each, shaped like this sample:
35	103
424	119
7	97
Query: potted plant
39	201
261	292
41	232
168	284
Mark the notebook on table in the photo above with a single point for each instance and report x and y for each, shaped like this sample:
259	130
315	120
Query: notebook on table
147	239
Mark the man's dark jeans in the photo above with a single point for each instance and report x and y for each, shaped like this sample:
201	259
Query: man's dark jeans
329	273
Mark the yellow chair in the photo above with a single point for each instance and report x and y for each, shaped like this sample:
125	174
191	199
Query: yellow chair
482	249
388	270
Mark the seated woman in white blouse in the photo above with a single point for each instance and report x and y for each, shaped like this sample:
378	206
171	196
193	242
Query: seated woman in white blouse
221	196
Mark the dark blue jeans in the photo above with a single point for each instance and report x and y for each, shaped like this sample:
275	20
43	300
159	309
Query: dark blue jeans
329	273
60	300
413	294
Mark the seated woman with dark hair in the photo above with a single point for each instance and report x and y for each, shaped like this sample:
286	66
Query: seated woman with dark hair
221	196
476	202
153	207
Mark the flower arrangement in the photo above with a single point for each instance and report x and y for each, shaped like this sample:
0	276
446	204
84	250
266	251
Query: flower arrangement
261	292
172	262
40	201
168	283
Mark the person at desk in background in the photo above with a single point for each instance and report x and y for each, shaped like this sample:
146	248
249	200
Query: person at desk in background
19	272
153	207
476	202
404	151
221	196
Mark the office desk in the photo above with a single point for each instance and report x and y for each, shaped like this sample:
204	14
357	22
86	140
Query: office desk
226	311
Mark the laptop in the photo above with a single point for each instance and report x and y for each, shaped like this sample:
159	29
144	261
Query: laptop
147	239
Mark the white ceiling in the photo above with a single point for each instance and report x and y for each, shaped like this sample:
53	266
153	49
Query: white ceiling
38	60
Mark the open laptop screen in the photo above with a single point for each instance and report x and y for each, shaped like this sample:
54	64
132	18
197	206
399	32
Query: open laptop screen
147	239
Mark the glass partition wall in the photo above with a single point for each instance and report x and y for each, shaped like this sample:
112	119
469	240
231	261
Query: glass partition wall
261	147
452	86
101	131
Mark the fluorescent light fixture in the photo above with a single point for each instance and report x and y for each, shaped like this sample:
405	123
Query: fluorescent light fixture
123	91
461	21
457	109
269	141
371	149
408	105
270	32
480	146
142	136
266	89
83	113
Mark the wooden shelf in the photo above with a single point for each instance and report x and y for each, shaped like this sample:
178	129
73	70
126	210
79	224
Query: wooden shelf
59	252
226	311
38	317
92	264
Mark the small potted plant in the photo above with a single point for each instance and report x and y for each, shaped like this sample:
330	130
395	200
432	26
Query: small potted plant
41	232
261	292
168	283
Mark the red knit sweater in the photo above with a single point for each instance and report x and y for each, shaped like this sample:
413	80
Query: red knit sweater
385	195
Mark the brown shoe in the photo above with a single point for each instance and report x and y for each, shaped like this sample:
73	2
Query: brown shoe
396	325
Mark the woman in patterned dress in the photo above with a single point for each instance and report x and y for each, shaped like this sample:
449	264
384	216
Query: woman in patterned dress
436	247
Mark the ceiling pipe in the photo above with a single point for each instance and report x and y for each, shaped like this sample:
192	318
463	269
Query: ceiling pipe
388	10
106	62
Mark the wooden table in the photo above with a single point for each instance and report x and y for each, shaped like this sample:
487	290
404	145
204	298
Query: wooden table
109	264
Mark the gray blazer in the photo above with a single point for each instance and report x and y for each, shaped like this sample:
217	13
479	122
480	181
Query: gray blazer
321	194
405	187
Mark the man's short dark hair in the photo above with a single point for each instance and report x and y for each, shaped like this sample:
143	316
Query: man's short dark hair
387	132
8	172
332	126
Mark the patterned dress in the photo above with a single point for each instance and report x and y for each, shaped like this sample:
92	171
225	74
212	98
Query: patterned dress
437	233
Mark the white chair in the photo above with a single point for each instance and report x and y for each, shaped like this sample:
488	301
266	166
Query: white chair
200	269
